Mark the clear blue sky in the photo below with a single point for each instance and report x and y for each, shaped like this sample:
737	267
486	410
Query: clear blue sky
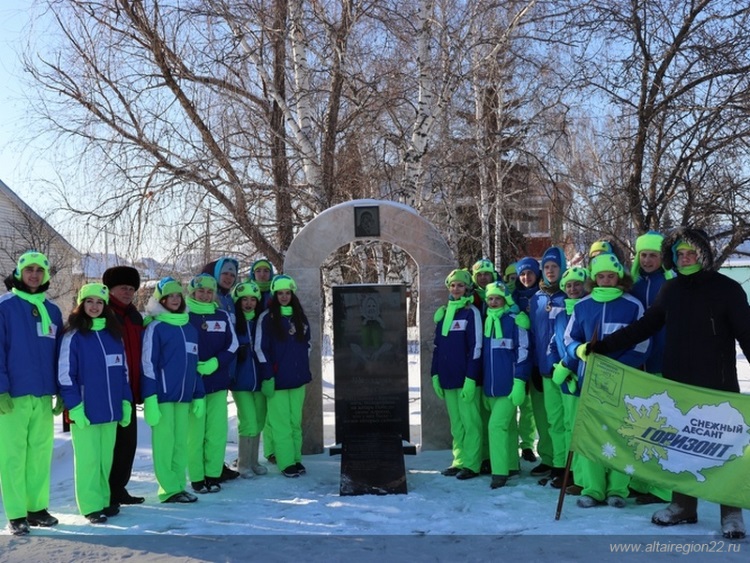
19	166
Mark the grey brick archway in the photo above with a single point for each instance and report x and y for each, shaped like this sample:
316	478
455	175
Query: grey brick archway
399	225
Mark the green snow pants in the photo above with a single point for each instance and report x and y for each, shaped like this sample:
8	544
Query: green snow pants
503	435
466	429
285	419
26	439
599	482
251	412
169	448
93	452
544	445
553	407
207	438
526	426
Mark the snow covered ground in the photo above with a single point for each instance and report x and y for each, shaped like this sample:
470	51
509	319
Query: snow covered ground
272	518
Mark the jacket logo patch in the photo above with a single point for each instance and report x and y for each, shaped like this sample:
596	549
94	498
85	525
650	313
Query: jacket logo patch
459	324
52	330
191	348
114	360
217	326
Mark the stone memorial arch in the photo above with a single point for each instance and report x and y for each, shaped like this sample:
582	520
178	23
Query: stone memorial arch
392	223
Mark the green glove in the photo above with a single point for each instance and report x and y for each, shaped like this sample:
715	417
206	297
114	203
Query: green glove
199	407
6	403
523	321
151	411
208	367
518	393
572	384
58	407
127	411
560	373
436	386
581	352
469	390
78	416
268	387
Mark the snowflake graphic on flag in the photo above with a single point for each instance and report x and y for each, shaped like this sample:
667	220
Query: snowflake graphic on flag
609	450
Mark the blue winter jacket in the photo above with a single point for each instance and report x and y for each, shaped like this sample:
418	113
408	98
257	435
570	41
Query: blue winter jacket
92	369
287	361
591	316
458	354
522	295
247	375
170	360
505	359
28	359
216	339
558	352
645	290
543	308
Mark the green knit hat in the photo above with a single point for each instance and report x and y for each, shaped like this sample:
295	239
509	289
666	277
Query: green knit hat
245	289
463	276
576	273
483	265
498	289
282	282
600	247
606	263
32	258
510	270
96	290
202	281
648	241
167	286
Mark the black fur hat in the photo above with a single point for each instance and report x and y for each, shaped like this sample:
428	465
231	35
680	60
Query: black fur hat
121	275
697	238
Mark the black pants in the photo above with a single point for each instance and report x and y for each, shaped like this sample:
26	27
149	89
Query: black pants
126	443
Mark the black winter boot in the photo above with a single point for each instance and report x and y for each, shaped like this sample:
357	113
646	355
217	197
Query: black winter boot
732	524
682	510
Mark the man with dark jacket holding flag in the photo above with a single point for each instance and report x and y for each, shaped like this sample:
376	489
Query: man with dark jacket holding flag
703	313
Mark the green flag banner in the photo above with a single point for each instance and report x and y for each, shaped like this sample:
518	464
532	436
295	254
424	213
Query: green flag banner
684	438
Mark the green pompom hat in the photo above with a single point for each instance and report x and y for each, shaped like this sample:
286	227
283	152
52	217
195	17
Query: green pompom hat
283	282
498	289
95	290
245	289
167	286
461	276
606	263
576	273
32	258
483	265
202	281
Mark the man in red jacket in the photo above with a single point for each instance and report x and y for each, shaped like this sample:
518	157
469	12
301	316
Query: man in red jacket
123	282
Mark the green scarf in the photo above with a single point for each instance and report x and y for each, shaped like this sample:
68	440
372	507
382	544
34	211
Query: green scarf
37	300
201	308
263	285
450	312
482	293
493	321
685	271
99	323
174	319
605	294
286	310
249	315
569	304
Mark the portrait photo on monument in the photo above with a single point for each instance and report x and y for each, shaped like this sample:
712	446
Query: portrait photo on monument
367	221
